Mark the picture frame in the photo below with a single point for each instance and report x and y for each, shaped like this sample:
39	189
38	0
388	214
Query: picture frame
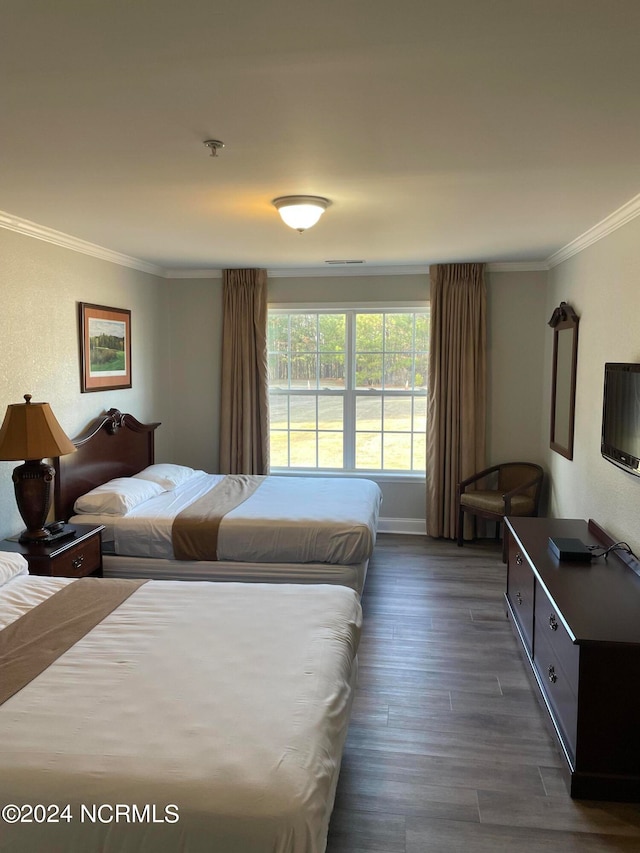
105	348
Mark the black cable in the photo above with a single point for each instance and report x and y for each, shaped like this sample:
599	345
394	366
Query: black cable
617	546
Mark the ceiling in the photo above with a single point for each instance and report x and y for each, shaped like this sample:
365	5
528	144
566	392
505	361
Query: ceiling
441	130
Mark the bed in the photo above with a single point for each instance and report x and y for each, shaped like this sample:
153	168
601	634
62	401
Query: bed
209	527
191	717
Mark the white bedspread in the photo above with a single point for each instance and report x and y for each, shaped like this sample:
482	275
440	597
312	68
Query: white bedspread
287	520
228	701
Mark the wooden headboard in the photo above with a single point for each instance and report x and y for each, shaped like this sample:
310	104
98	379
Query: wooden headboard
114	445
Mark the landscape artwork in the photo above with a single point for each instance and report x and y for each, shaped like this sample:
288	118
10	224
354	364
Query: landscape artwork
105	346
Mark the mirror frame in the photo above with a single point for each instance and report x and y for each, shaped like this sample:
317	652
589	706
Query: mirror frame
564	321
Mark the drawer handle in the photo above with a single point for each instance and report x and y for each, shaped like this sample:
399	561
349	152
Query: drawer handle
518	598
78	561
553	622
518	559
551	673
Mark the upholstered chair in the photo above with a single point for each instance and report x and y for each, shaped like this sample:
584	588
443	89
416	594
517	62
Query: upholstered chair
512	488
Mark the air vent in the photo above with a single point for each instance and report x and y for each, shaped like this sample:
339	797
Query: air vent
344	262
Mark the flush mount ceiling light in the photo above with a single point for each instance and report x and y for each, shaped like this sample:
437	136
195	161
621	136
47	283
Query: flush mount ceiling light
300	211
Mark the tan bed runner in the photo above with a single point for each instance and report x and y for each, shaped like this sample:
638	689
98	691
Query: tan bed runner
195	529
34	641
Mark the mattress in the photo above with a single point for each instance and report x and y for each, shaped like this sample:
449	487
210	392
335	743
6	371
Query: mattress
287	520
218	710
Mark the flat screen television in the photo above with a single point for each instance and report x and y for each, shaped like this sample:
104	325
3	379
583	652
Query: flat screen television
621	416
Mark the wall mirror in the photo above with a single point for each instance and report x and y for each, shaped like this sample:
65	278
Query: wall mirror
564	322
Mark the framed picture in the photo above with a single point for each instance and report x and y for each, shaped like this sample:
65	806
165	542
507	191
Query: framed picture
105	348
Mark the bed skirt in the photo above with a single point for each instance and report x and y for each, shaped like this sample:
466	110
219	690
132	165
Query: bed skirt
220	570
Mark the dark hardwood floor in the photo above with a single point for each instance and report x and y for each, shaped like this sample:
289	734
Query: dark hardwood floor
447	748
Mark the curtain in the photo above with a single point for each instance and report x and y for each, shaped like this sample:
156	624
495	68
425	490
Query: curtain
456	402
244	427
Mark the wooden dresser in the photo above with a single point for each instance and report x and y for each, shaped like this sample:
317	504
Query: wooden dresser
579	629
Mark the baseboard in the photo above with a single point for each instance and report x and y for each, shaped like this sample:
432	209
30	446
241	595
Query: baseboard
410	526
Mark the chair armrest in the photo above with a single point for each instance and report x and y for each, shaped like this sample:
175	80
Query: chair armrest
534	481
462	485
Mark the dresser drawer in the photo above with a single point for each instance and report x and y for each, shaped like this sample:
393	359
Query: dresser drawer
557	687
79	560
521	591
549	625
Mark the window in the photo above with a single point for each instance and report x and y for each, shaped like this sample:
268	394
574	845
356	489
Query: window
347	389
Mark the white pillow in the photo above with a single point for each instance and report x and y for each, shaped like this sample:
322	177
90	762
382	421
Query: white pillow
117	497
12	565
167	475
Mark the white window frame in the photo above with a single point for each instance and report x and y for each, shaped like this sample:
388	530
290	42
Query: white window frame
350	393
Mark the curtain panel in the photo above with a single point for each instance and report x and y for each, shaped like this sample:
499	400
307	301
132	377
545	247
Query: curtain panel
456	402
244	426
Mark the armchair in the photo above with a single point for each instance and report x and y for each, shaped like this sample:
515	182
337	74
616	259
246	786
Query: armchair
512	488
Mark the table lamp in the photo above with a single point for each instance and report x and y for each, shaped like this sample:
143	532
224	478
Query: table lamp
30	431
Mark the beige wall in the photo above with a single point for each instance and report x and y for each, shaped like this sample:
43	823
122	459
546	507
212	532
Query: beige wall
601	283
355	289
40	287
195	320
516	335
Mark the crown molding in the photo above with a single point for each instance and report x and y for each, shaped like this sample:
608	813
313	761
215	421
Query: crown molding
610	223
58	238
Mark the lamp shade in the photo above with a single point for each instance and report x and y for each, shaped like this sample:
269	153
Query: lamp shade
300	211
31	431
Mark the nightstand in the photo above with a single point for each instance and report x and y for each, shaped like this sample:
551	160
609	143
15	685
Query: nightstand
74	556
